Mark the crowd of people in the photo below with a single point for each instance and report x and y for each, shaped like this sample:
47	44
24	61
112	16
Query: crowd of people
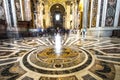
51	31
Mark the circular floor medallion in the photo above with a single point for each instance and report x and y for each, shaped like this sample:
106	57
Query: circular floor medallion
47	62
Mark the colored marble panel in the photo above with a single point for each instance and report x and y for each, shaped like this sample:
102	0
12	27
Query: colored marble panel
7	61
104	70
5	53
110	59
94	13
27	78
114	50
101	11
88	77
110	15
119	20
11	71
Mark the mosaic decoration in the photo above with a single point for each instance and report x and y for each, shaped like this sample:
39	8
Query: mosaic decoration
2	12
101	11
35	59
18	13
94	13
111	9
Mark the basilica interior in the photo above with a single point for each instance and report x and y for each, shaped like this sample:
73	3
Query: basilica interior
59	40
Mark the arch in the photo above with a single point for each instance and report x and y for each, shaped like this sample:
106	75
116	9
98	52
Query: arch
57	7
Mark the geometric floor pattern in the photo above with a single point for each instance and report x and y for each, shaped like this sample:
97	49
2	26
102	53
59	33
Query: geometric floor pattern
82	59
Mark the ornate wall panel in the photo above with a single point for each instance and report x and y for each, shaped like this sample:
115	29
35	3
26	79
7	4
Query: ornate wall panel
101	11
18	12
2	12
94	13
110	15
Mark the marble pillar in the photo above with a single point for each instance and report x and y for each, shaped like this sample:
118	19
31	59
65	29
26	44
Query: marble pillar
91	13
10	12
7	13
85	12
117	14
21	10
98	13
101	11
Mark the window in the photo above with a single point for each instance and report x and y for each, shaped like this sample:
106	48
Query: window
57	17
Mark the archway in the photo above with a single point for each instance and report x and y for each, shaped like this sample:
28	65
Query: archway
57	15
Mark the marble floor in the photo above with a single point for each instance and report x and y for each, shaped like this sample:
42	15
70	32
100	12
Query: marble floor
82	59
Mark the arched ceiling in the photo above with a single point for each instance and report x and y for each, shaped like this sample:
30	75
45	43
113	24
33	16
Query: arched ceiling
57	7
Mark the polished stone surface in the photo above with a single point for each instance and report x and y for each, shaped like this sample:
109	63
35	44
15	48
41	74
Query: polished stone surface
81	59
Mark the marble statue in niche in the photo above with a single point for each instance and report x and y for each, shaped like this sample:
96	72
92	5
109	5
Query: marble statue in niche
17	5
